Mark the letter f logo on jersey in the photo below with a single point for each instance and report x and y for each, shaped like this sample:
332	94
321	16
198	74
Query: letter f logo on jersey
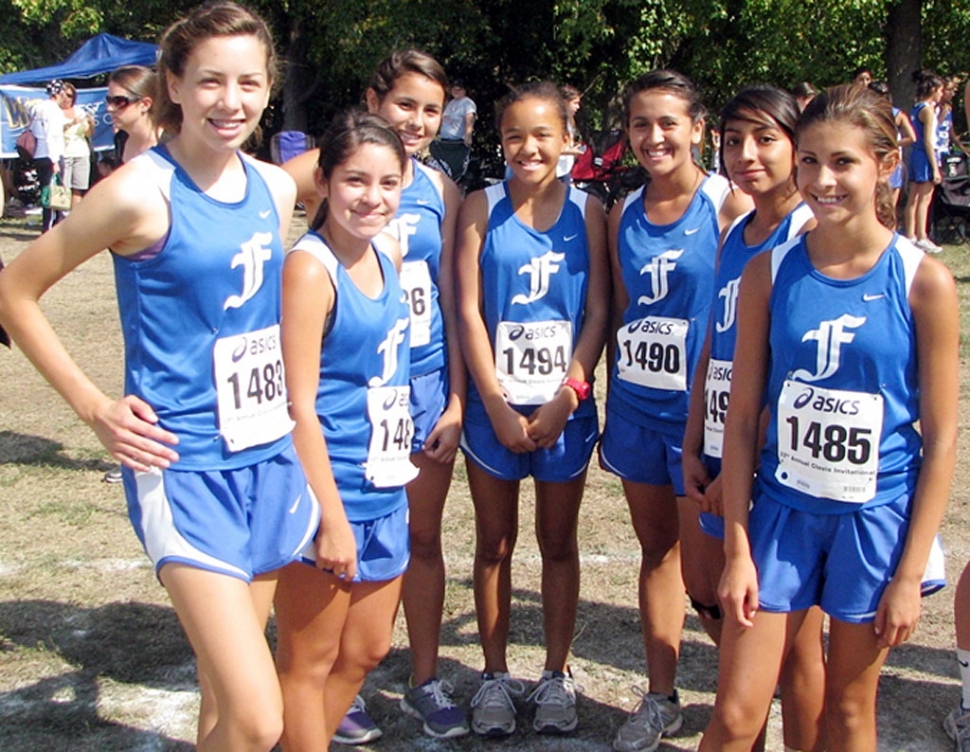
252	255
539	271
395	337
729	293
658	269
830	335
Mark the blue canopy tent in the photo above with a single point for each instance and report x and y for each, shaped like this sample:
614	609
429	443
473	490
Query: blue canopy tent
99	54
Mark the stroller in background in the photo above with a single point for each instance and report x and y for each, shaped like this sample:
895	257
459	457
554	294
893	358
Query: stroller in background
951	203
600	170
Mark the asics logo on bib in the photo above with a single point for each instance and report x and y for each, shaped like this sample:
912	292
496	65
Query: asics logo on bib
396	335
530	332
658	269
252	255
254	345
830	335
402	228
539	270
825	404
729	293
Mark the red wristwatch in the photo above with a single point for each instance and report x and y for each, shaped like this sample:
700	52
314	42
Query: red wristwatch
582	388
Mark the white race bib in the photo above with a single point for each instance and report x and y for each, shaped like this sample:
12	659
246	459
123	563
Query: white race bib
828	441
391	430
416	283
717	393
652	352
251	389
531	359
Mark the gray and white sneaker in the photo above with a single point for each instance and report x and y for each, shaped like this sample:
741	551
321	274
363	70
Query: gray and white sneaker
957	727
493	709
654	717
555	700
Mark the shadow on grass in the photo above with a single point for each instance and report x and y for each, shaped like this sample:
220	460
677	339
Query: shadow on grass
36	451
126	643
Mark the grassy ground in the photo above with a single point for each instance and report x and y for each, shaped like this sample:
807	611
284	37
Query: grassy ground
92	657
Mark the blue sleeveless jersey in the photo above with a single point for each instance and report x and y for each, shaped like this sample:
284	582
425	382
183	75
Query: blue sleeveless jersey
534	298
417	227
668	272
365	352
733	257
920	143
842	383
215	283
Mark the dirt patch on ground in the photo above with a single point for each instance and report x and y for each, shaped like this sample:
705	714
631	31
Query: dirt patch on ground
92	656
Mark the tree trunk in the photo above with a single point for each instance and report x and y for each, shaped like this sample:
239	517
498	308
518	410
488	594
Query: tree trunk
904	49
295	76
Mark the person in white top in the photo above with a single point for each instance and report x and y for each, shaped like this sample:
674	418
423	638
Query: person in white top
47	124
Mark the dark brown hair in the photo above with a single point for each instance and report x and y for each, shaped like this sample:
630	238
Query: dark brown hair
217	19
532	90
347	132
401	62
860	108
670	81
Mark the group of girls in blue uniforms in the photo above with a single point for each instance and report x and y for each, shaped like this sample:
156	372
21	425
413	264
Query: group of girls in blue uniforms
289	427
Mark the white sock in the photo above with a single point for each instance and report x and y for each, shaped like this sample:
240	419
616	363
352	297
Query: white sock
963	658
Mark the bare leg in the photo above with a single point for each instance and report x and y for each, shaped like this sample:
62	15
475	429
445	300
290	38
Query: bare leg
224	618
852	677
424	582
365	640
750	661
803	686
557	513
496	525
653	510
311	610
702	561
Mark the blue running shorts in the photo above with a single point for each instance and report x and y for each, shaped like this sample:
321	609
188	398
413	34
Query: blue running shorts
841	562
640	454
429	398
383	547
561	463
242	522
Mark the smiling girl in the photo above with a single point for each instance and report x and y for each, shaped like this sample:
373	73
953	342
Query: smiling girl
533	303
215	491
850	335
345	345
663	242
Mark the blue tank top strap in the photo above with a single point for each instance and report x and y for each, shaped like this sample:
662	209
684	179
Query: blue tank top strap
317	247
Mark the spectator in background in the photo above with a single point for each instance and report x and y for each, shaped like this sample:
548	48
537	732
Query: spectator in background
454	144
862	76
76	160
47	125
946	135
924	169
804	93
905	135
573	98
131	96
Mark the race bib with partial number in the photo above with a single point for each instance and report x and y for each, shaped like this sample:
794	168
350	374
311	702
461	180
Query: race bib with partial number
652	352
416	283
531	359
251	389
828	441
389	453
717	393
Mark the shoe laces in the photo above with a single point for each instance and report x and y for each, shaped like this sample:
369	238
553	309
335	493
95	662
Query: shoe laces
440	691
357	706
498	692
554	690
647	713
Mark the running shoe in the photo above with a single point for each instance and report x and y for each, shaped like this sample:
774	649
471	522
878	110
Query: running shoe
929	246
555	700
493	709
357	727
957	727
431	702
113	475
654	717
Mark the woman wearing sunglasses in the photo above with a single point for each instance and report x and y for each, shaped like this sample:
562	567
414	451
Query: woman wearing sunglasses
131	93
